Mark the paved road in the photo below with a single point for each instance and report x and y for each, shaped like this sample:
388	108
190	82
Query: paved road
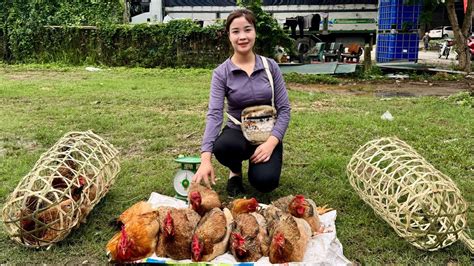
429	57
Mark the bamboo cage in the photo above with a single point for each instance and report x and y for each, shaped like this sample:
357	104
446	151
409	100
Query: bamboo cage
420	203
62	188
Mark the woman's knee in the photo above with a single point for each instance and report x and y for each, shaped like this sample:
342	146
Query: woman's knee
224	149
265	182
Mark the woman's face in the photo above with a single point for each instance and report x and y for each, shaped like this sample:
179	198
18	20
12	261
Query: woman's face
242	35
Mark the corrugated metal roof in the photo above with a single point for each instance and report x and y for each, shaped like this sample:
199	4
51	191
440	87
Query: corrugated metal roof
265	2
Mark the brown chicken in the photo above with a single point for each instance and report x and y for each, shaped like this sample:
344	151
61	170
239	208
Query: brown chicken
301	207
133	212
289	239
160	250
67	170
137	239
89	191
56	219
176	233
239	206
211	236
249	238
202	199
29	233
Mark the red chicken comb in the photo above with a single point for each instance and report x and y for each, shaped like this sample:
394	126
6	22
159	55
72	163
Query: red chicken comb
195	196
195	200
123	243
169	225
238	239
238	244
82	181
253	205
300	198
279	239
196	248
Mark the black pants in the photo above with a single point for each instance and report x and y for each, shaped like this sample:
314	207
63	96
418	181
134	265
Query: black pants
231	148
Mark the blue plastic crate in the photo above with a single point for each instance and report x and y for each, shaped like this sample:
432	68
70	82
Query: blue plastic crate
399	14
395	47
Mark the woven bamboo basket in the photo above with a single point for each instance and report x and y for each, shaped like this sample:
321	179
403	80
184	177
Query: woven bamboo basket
62	188
420	203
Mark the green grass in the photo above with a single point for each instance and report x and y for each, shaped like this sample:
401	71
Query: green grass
153	115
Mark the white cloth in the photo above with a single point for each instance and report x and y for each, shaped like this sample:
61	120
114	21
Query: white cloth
323	249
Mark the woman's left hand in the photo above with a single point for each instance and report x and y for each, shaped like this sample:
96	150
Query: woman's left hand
264	151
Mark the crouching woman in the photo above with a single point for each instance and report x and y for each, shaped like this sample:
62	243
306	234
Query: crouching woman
244	82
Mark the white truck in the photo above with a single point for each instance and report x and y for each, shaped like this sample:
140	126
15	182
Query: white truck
344	21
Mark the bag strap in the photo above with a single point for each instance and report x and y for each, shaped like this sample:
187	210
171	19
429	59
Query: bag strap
270	78
233	119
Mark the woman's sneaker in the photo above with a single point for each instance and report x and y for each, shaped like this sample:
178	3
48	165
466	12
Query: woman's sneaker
235	186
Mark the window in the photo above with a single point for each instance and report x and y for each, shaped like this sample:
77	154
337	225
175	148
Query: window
139	6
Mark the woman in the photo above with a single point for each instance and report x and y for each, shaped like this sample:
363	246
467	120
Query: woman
243	81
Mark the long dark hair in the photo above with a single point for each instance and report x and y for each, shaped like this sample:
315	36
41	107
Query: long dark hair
246	13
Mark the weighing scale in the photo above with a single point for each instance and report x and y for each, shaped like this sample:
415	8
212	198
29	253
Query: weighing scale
182	179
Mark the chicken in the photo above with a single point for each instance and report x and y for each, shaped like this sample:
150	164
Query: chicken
211	236
90	191
32	203
239	206
133	212
56	219
176	233
271	215
289	239
300	207
160	250
64	171
136	240
249	238
29	232
78	189
202	199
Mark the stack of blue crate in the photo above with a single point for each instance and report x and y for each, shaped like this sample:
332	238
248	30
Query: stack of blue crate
397	38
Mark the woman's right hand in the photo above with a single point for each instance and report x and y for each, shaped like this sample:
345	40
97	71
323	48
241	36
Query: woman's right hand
205	171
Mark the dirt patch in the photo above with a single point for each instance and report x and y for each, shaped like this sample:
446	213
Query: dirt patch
135	150
388	88
13	144
41	75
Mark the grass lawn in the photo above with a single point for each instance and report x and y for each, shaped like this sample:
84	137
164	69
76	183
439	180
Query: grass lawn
153	115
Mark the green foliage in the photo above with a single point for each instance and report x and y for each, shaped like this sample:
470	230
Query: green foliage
310	78
374	73
177	43
89	32
269	33
463	99
23	20
426	16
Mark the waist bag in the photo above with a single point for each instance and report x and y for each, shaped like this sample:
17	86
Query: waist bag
257	121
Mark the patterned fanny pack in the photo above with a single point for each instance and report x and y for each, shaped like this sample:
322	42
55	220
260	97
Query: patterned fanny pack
257	122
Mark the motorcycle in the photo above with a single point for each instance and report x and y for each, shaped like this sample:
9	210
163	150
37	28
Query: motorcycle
446	48
470	45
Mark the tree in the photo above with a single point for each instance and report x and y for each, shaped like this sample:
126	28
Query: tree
269	33
426	16
461	34
126	11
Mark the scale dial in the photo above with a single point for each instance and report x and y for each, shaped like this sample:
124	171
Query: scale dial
182	181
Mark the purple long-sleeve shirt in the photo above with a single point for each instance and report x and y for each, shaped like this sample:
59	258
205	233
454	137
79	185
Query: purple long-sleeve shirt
232	83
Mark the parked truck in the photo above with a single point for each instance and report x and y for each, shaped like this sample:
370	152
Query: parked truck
309	21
